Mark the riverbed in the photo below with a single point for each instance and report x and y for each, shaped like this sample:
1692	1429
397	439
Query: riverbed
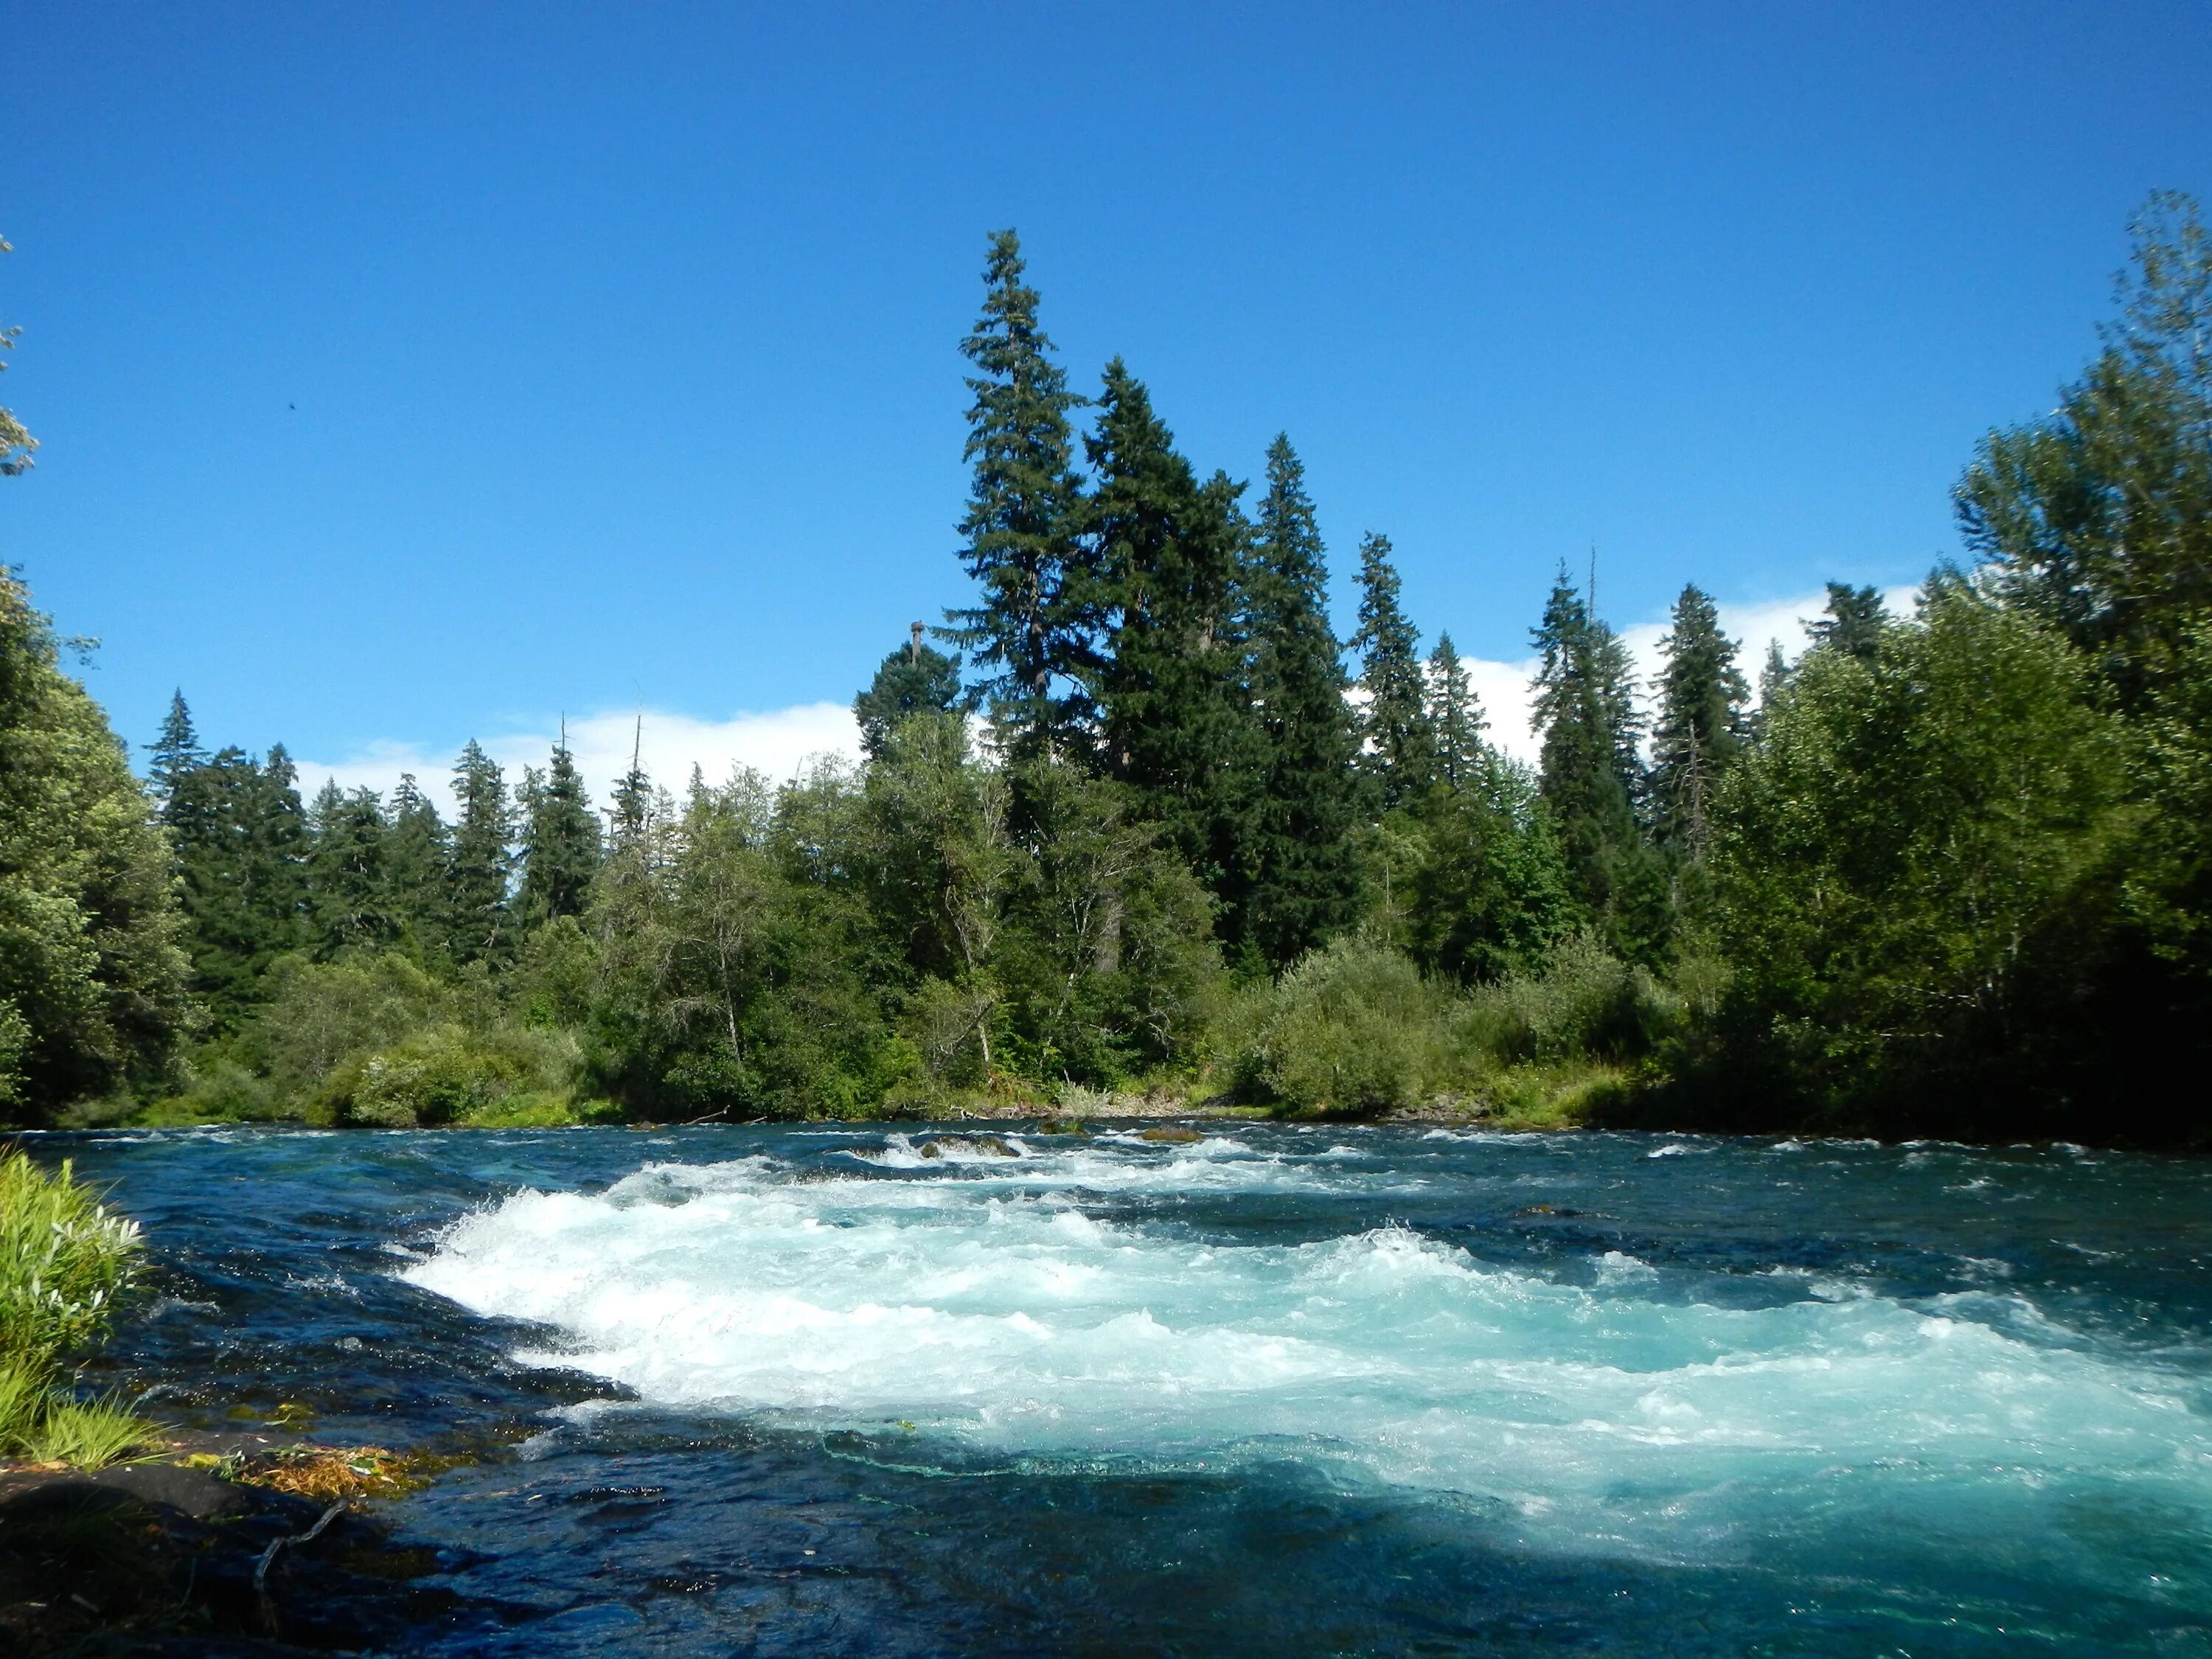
1275	1390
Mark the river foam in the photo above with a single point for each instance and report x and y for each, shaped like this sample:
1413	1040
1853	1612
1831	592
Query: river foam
1059	1305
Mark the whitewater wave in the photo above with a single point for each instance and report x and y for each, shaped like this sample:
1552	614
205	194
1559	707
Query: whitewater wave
981	1299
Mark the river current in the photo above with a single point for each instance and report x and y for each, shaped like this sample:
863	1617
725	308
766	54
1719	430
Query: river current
1279	1391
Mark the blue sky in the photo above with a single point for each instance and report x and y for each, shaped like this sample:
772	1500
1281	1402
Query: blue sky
405	373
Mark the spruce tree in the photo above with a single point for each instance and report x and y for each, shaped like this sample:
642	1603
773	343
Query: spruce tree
1702	722
240	840
561	844
1020	525
1400	749
631	814
1305	877
1853	623
914	679
1455	718
480	926
1172	714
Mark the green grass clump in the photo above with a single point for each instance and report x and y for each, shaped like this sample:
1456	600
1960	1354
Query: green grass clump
65	1259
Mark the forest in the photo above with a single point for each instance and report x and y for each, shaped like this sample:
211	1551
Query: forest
1135	821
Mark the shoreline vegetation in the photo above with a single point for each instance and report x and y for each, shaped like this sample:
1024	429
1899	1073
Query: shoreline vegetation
1140	834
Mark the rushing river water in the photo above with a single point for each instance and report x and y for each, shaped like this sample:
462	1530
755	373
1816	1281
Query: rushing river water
1281	1391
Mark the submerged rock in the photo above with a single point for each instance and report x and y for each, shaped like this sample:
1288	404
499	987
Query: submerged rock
1176	1132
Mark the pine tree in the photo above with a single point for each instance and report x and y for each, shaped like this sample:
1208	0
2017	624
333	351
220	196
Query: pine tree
561	844
631	815
1172	714
348	896
1305	880
1591	777
1400	749
1853	623
175	752
481	925
1454	717
1021	520
1702	722
912	680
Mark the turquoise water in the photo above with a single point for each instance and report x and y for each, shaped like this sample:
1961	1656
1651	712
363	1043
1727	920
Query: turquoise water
1282	1391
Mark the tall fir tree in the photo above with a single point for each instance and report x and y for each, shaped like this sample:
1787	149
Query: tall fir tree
175	752
1455	718
480	865
1591	776
1172	717
914	679
240	839
1702	724
1400	749
1025	633
1305	876
560	845
1852	623
417	850
350	906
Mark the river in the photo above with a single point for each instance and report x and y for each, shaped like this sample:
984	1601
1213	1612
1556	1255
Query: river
1279	1391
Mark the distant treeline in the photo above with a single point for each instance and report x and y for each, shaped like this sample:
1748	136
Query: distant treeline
1141	826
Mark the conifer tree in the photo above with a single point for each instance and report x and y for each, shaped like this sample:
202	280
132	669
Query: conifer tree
417	851
1853	623
349	900
631	815
561	844
1454	717
1305	879
1591	776
175	752
1702	722
1172	716
481	925
241	842
914	679
1020	525
1400	749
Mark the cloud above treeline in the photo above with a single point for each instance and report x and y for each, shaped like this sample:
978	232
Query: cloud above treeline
778	743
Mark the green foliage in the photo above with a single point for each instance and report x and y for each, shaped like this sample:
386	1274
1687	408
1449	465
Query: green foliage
561	847
449	1075
65	1261
1702	723
480	925
1909	866
1487	888
1351	1028
1455	720
92	981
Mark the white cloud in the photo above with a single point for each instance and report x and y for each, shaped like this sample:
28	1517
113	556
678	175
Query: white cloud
1504	686
776	742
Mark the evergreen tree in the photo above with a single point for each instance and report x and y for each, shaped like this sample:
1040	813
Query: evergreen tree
175	752
240	843
1400	749
912	680
415	855
481	925
1591	776
1021	520
1172	714
1702	722
348	898
1455	718
1853	623
1305	878
630	816
561	844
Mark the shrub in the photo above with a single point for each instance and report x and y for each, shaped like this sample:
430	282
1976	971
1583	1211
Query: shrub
1352	1028
1586	1003
448	1074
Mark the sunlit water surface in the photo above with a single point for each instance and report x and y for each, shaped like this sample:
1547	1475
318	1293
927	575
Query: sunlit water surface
1280	1391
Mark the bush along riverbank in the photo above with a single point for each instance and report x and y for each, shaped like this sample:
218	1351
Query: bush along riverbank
1148	836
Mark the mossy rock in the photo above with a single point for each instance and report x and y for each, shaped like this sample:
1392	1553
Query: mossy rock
1175	1132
